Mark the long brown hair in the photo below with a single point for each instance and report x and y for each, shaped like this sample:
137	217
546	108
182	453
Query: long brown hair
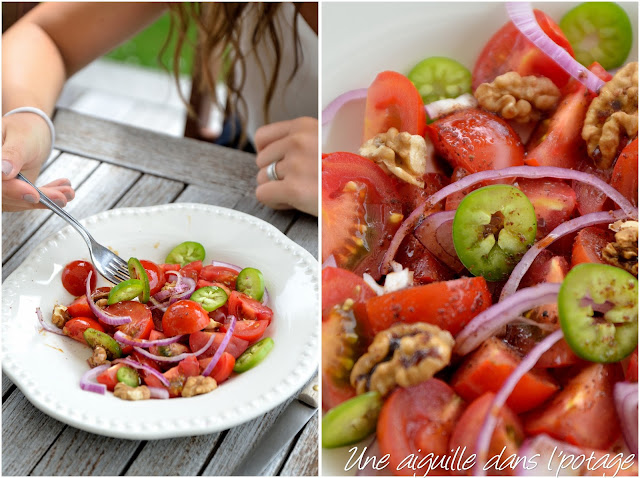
218	48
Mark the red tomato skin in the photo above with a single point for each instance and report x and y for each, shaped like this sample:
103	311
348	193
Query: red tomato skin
247	329
631	370
80	307
184	317
393	101
169	267
148	378
553	200
197	340
425	266
583	412
488	367
222	369
588	245
417	420
75	328
338	285
450	305
625	172
192	270
509	50
476	140
224	275
108	377
74	277
156	276
245	307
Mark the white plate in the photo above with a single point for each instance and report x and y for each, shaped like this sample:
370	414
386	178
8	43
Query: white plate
363	39
47	367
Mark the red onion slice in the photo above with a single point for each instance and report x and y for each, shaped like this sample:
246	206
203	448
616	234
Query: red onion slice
227	265
178	275
550	453
330	262
223	345
523	18
625	395
178	357
434	233
265	297
87	383
49	328
146	368
562	230
145	344
158	305
486	432
512	172
101	314
158	392
336	105
485	324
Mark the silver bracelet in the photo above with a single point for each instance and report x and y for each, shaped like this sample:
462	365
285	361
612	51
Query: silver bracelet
43	115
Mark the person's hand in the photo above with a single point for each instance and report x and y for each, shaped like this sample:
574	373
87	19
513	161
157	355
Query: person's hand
294	144
26	141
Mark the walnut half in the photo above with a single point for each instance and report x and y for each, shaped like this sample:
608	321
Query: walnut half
521	98
60	315
198	386
404	355
125	392
624	252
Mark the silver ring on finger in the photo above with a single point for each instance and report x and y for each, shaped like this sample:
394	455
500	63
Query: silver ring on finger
271	171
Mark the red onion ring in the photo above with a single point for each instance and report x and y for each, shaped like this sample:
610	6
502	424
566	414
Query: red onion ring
486	432
336	105
146	368
511	172
546	448
47	327
265	297
158	305
101	314
178	275
223	345
523	18
227	265
330	262
568	227
86	381
125	339
434	233
486	323
625	395
178	357
158	392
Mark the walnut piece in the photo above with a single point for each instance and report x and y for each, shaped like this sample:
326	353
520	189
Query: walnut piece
198	385
624	252
404	355
60	315
169	285
402	154
125	392
613	114
520	98
99	357
213	325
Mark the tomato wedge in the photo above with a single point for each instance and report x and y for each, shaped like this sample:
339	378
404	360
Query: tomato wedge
338	285
625	172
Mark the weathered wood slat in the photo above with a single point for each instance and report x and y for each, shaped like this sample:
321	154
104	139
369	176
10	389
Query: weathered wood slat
6	384
303	458
101	191
216	196
305	232
185	160
17	227
175	456
76	452
23	446
280	219
150	191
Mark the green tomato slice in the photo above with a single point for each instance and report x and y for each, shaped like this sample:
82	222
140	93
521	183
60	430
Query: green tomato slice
136	271
125	290
95	337
210	297
185	253
492	229
351	421
438	77
253	355
250	281
598	31
598	310
128	376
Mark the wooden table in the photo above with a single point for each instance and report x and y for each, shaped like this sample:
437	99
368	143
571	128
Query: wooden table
112	166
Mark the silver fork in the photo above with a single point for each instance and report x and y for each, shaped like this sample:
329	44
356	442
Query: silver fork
109	265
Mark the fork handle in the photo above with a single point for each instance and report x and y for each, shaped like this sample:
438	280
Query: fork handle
44	199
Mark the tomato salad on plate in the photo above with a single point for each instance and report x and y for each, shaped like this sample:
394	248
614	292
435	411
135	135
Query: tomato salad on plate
176	329
479	282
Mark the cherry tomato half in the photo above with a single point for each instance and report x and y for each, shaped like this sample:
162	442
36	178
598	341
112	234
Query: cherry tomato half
184	317
74	277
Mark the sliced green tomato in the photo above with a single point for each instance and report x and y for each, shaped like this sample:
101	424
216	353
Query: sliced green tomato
610	334
492	229
598	31
136	271
210	297
438	77
253	355
96	338
351	421
125	290
128	376
186	253
250	281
